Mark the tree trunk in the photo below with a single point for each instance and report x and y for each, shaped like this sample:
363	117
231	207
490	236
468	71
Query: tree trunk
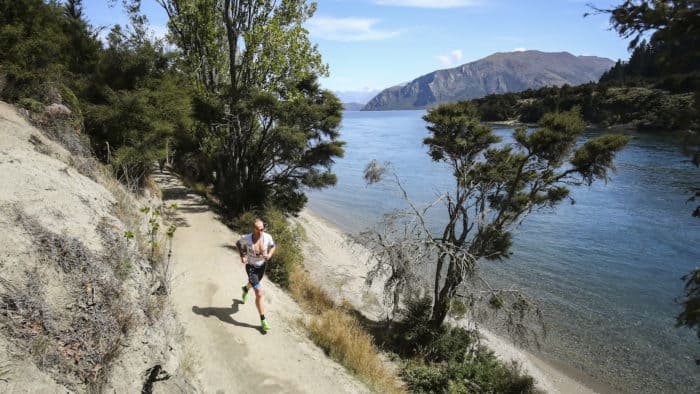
441	304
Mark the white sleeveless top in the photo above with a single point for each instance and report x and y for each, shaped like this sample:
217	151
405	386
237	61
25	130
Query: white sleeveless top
256	259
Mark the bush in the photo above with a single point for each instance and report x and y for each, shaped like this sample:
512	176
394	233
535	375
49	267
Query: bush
481	373
454	344
423	378
31	105
450	360
412	334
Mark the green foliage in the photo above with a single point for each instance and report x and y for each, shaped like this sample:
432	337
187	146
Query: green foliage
644	106
412	333
482	374
674	26
288	254
643	64
131	98
31	105
449	359
497	185
138	103
267	130
423	378
43	47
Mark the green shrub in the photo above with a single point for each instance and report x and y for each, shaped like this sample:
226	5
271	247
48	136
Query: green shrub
453	344
412	334
449	359
423	378
481	373
31	105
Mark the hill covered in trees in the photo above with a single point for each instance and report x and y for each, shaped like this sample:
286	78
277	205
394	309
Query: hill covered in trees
497	73
656	89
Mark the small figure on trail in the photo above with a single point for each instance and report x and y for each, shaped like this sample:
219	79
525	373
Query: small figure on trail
255	250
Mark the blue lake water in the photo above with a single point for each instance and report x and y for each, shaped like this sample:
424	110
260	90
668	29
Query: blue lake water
605	270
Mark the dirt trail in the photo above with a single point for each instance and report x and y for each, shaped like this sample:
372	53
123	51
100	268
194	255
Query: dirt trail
234	356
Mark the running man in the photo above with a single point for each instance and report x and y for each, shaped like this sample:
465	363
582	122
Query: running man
255	250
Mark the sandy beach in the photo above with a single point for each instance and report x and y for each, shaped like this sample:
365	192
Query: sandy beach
341	268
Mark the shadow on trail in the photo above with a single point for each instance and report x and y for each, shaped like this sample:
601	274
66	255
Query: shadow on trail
230	247
224	314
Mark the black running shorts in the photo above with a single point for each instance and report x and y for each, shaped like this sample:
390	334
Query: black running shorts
255	274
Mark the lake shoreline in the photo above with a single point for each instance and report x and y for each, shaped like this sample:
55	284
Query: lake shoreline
341	268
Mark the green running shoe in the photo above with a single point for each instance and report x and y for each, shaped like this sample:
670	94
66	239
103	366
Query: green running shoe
266	327
244	297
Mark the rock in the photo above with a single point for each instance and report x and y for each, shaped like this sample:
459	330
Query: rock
58	109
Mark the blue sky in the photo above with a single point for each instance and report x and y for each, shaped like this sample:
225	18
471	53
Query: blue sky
375	44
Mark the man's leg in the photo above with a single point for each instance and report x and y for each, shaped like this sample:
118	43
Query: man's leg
252	280
259	301
259	273
244	296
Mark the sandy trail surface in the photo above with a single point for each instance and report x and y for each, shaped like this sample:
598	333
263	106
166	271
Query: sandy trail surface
234	356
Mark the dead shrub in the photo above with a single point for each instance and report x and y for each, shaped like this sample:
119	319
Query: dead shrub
151	185
59	124
76	343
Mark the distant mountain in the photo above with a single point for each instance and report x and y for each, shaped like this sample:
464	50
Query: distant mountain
501	72
353	106
356	96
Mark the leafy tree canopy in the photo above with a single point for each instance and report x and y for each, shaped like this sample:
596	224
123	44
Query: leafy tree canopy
267	129
496	185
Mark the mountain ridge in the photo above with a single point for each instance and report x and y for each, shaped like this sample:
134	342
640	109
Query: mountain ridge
501	72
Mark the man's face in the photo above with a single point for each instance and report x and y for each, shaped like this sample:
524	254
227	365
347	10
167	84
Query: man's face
258	228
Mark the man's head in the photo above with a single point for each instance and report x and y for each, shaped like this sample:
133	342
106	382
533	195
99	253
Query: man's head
258	226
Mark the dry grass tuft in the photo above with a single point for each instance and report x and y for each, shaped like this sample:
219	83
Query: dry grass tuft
345	340
309	294
189	362
341	335
65	128
151	185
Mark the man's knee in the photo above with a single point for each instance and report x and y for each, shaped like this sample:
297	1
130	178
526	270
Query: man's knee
258	292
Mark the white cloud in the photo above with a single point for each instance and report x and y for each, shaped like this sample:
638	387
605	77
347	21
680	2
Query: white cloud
445	60
455	56
158	32
519	50
429	3
347	29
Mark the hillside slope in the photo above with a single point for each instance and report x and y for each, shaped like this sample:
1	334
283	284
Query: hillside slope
80	308
499	73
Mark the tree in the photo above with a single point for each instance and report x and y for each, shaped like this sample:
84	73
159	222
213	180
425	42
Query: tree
44	47
136	102
268	129
675	25
675	39
496	186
